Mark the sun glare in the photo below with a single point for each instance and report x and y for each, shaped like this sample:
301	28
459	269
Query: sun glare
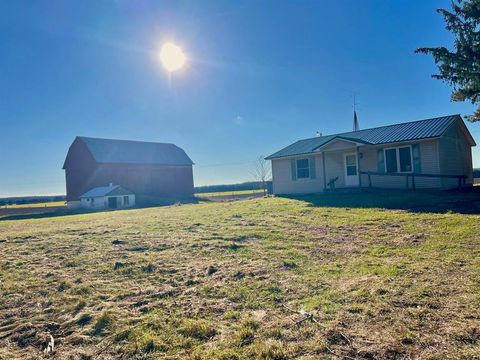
172	57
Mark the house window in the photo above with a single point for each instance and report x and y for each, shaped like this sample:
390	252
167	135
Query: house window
93	200
126	200
405	159
391	160
398	159
351	164
303	169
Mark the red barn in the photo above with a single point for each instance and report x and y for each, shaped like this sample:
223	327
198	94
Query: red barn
154	172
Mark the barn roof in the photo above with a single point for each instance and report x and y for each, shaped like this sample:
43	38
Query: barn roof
106	190
414	130
135	152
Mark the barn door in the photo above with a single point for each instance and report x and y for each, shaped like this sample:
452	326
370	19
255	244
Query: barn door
112	202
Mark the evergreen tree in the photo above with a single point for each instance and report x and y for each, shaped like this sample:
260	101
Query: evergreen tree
461	68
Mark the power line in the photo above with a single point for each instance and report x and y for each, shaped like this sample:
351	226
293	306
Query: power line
224	164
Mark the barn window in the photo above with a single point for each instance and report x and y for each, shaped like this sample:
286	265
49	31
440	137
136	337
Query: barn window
303	169
126	200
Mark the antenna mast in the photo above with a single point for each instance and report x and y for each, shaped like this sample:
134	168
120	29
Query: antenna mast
356	127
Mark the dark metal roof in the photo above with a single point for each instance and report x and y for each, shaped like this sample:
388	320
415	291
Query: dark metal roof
135	152
415	130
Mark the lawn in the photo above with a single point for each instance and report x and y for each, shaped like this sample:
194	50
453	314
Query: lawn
34	205
226	193
266	278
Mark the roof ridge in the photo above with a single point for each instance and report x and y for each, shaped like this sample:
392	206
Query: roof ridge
134	151
380	127
125	140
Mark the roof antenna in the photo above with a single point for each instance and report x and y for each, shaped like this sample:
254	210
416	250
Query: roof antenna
355	119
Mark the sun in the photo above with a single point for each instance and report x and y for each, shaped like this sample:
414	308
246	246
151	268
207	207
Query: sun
172	57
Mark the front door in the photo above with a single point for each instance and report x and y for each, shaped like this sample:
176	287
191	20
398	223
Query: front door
112	202
351	170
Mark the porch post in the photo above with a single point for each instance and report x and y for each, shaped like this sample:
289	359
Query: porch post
324	175
359	175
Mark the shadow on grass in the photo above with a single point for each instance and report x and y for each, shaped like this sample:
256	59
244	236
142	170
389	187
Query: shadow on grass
69	212
420	201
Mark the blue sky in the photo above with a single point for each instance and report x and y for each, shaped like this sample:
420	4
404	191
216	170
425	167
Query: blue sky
260	75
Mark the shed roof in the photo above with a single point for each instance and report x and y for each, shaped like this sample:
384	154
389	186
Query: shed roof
106	190
414	130
135	152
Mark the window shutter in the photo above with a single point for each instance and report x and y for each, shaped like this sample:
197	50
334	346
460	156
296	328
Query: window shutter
294	169
381	160
313	175
417	167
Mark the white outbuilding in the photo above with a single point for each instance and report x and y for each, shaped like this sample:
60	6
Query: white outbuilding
108	197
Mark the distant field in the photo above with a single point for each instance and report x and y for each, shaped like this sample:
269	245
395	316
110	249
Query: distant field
226	193
380	276
34	205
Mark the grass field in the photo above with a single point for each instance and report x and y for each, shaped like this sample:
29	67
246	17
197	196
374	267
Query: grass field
34	205
227	280
226	193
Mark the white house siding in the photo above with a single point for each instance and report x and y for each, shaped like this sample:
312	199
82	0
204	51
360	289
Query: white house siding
98	202
445	155
74	204
455	156
429	163
132	201
338	145
369	162
283	182
101	202
282	174
120	201
335	167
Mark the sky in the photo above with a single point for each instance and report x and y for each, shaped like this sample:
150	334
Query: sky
259	76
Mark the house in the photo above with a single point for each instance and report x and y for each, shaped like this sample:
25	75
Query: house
476	176
431	153
154	172
107	197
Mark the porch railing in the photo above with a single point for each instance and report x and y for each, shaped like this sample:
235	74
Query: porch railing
461	178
